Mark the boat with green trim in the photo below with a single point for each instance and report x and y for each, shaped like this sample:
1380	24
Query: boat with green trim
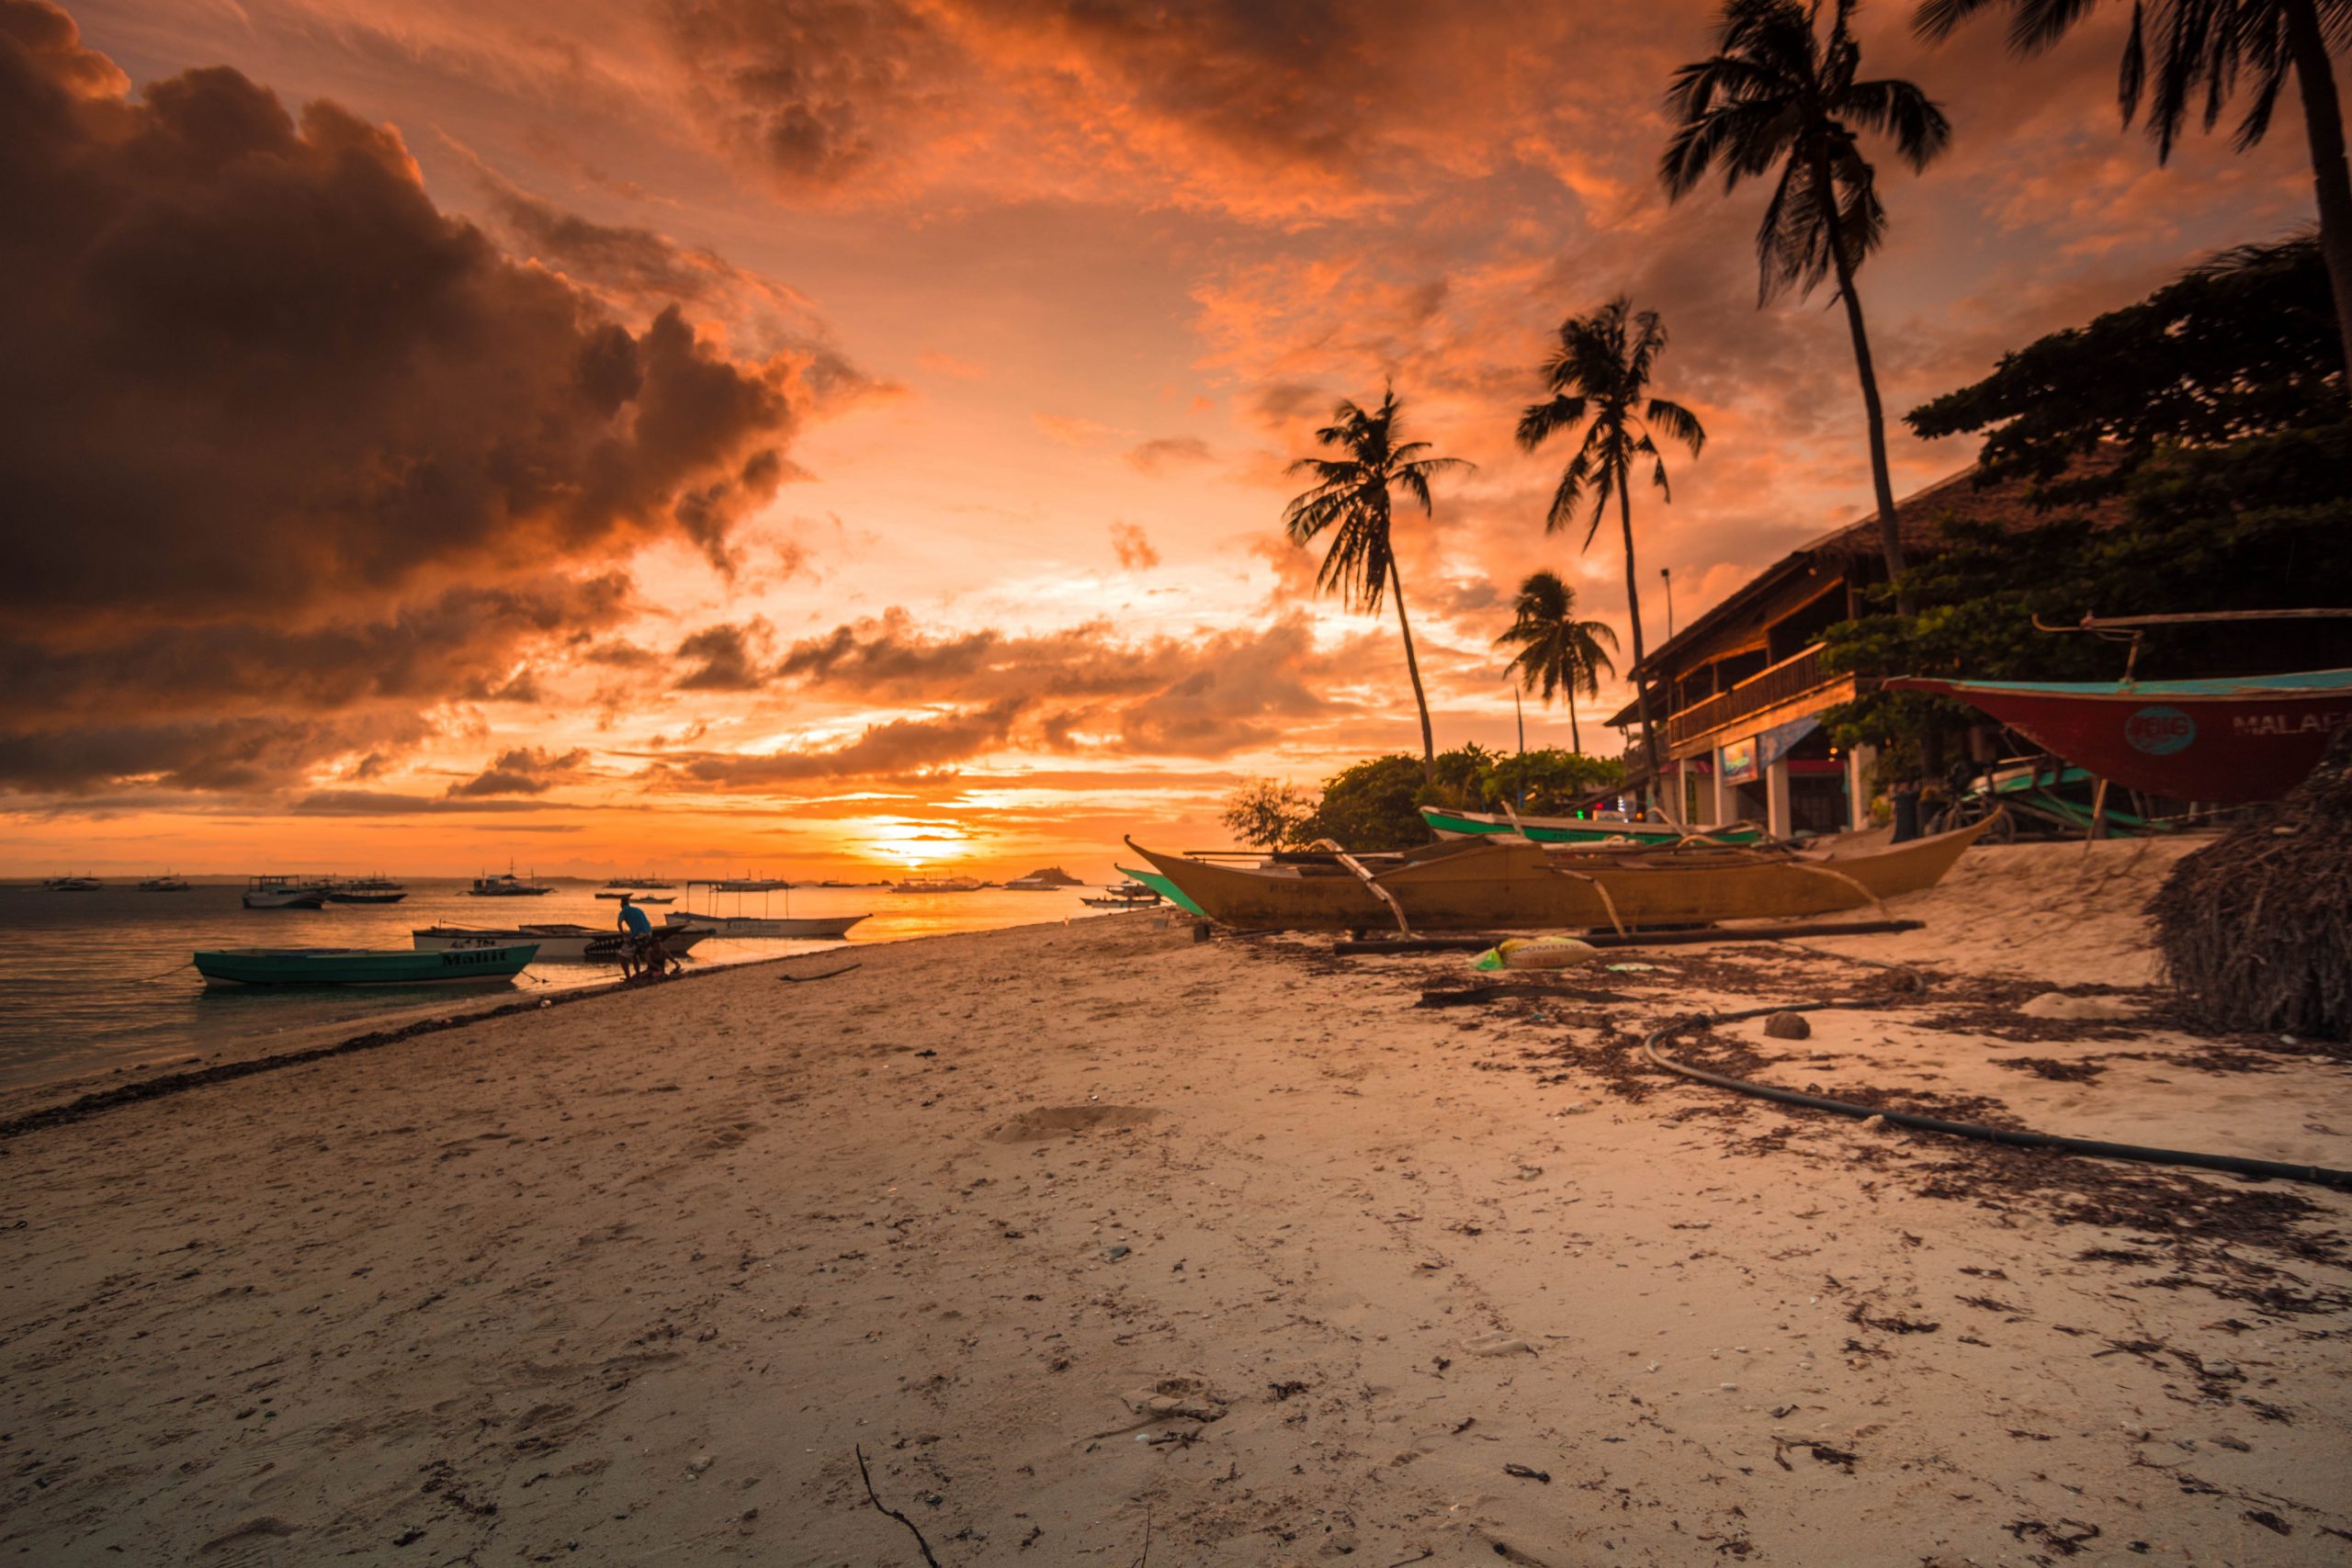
361	966
1449	824
1162	886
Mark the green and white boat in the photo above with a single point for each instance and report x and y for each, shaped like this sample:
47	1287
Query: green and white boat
361	966
1578	829
1162	886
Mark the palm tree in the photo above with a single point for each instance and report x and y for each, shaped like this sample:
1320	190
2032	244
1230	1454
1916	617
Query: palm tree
1598	378
1351	498
1774	93
1556	652
2203	45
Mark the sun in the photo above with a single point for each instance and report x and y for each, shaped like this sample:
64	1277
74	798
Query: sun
910	842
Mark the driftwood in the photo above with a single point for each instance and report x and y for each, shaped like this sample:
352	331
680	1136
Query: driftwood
881	1508
827	974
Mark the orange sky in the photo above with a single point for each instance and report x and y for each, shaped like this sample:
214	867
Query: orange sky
700	433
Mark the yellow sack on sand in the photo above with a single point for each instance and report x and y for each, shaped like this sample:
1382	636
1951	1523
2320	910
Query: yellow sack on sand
1536	953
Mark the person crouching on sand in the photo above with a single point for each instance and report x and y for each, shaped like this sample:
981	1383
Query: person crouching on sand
636	935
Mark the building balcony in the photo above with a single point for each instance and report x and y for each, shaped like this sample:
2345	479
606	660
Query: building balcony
1775	695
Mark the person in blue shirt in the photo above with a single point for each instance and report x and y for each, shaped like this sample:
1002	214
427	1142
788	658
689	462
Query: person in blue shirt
637	938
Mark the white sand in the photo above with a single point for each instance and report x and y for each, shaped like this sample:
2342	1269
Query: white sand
624	1281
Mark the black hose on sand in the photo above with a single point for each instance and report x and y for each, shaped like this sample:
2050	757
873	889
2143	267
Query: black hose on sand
2235	1164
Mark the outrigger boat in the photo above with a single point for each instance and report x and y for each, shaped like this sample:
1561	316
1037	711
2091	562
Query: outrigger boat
366	890
1127	896
1449	824
170	882
805	927
558	943
1498	884
360	967
2220	741
285	892
1162	886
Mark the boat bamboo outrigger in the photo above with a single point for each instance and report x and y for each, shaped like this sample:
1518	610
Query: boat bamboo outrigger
1512	883
805	928
1450	824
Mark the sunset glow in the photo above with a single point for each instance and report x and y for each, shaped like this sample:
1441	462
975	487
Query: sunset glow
837	438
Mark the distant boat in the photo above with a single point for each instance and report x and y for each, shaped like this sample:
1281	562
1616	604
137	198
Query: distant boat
632	884
360	967
2221	742
170	882
937	885
366	890
506	885
636	897
285	892
807	928
1126	895
72	885
1448	824
558	943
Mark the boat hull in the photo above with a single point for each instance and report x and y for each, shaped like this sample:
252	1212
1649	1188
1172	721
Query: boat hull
805	927
1162	886
557	944
332	967
290	898
1495	883
1571	830
2225	742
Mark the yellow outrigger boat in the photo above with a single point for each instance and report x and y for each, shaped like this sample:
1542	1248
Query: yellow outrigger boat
1512	884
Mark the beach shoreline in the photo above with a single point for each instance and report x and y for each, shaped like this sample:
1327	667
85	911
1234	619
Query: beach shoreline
1082	1230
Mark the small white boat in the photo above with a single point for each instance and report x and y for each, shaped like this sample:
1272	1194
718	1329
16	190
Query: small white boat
557	942
1126	896
285	892
170	882
72	885
938	884
506	885
807	928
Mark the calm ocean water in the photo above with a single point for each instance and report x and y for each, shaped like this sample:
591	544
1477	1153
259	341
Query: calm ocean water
97	981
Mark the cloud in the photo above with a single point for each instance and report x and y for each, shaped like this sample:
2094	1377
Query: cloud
292	456
1134	547
729	657
897	749
389	803
1162	452
1074	430
524	770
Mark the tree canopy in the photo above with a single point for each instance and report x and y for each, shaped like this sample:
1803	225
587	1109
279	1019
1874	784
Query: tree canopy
2239	346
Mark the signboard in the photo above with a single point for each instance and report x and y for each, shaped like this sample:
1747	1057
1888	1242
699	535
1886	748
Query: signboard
1739	761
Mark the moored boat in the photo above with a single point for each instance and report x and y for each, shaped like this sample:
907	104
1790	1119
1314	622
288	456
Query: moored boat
557	942
506	885
807	928
170	882
366	890
72	885
1126	895
1499	883
285	892
936	885
360	967
2223	741
1162	886
1449	824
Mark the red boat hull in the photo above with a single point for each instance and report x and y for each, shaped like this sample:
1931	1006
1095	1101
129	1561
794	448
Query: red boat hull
2225	748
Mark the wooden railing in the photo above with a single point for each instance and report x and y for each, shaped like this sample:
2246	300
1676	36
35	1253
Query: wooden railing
1791	678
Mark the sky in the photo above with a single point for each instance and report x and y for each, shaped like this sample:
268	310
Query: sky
809	436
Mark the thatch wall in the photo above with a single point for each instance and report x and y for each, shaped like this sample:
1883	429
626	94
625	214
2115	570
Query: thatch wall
2257	927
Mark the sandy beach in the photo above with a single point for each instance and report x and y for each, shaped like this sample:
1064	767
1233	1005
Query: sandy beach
1111	1245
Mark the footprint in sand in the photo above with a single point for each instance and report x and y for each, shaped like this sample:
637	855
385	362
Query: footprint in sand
1053	1122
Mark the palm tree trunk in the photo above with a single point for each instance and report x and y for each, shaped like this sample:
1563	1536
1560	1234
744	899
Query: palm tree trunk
1413	668
1634	615
1575	741
2324	126
1889	532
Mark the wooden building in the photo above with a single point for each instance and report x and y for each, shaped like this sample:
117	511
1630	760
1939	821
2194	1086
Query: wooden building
1738	695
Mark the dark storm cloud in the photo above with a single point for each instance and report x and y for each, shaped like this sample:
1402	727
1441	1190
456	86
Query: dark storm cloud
524	770
899	748
727	658
265	407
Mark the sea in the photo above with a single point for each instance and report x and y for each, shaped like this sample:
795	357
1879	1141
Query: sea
100	983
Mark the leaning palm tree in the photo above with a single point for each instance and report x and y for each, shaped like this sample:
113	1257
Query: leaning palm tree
1556	652
2203	46
1350	498
1599	376
1777	94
